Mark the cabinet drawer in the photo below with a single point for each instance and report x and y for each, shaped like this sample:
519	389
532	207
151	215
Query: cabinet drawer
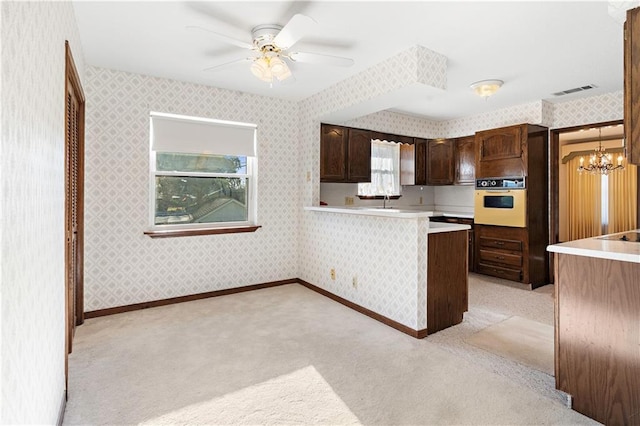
499	257
499	243
497	271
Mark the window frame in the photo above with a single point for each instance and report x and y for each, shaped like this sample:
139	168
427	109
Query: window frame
186	229
397	192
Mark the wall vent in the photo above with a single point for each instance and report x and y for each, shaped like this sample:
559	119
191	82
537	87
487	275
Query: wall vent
575	90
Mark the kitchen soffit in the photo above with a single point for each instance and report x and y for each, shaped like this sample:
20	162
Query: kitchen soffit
537	48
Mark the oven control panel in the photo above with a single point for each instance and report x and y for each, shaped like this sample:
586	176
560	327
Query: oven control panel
501	183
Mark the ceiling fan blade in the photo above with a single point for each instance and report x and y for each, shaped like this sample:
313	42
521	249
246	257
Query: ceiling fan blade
316	58
297	27
223	37
227	64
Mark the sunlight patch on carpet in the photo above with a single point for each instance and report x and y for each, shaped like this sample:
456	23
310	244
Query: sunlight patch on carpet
300	397
521	340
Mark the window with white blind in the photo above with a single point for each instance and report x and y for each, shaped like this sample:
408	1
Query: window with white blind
202	173
385	170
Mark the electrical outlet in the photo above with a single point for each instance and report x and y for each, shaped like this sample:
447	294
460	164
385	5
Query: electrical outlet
308	176
354	281
333	274
420	200
348	201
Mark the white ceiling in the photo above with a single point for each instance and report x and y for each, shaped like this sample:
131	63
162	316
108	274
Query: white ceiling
537	48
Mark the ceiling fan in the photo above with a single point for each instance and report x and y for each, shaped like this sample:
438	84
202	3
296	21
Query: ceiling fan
271	44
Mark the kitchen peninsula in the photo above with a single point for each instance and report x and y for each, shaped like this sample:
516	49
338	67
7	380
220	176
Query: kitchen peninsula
393	265
597	325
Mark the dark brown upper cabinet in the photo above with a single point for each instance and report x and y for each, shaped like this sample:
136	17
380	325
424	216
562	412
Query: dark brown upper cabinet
421	161
500	144
359	156
440	164
501	152
465	159
345	154
632	85
333	153
511	151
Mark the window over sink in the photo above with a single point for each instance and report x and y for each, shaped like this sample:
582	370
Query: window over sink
385	170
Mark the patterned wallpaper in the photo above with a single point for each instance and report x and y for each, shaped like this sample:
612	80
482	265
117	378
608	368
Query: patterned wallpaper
390	248
342	242
123	266
32	190
383	255
595	109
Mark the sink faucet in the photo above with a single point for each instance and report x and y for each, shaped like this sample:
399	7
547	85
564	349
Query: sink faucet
386	197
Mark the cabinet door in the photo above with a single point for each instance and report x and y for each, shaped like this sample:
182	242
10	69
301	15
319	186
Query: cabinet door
440	162
501	152
333	151
421	161
359	156
499	144
407	164
632	85
465	155
447	279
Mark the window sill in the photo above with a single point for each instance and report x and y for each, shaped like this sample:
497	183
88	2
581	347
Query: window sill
170	233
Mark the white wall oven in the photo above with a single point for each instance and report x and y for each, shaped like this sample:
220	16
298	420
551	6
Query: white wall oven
501	202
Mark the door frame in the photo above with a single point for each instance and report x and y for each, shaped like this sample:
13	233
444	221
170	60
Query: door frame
74	292
554	182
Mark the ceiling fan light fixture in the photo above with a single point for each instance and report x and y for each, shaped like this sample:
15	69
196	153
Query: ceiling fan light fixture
486	88
261	68
279	69
266	68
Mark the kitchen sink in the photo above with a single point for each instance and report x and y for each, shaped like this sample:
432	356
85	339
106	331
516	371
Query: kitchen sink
632	237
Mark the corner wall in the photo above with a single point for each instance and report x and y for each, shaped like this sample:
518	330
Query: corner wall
122	265
32	150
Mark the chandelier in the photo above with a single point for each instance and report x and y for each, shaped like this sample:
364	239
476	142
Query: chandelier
600	163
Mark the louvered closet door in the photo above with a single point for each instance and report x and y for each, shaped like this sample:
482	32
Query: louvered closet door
74	210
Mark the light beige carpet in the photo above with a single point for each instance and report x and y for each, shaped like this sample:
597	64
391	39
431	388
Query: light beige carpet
284	355
519	339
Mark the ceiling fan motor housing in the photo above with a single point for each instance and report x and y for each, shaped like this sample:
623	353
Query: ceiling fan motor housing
263	36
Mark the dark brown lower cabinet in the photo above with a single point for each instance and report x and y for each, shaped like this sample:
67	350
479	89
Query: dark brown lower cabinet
462	221
507	252
597	342
447	279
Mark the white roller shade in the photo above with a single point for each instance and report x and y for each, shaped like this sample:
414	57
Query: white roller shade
200	136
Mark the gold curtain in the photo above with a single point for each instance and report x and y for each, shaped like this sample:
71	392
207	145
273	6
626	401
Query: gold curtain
623	199
583	203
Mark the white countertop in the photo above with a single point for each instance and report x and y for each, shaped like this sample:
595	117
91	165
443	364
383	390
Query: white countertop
402	212
373	211
435	227
604	249
395	213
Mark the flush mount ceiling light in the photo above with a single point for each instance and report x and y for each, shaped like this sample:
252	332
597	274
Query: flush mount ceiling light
486	88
